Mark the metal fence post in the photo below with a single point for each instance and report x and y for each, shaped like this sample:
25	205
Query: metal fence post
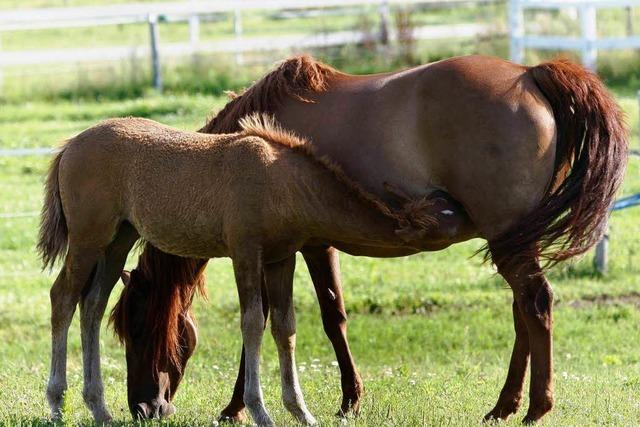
385	18
155	56
601	258
1	70
589	34
237	29
638	96
194	30
516	31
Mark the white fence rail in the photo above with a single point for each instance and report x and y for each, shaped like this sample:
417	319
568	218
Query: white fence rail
588	43
235	45
23	19
191	12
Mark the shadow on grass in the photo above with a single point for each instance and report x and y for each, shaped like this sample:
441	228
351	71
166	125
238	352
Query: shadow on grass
16	420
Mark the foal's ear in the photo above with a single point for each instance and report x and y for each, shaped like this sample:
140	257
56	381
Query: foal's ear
125	276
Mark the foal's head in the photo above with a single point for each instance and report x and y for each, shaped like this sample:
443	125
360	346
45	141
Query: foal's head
154	322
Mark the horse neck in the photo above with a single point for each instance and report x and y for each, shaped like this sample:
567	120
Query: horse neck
339	212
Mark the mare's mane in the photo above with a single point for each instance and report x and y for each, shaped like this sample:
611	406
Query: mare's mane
296	77
169	283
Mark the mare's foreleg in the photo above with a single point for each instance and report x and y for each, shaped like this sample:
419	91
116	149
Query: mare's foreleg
279	281
248	269
65	294
92	306
324	267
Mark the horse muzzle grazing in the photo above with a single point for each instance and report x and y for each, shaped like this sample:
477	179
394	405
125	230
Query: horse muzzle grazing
155	409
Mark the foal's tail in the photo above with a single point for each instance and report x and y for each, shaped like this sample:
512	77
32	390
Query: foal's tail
591	156
53	236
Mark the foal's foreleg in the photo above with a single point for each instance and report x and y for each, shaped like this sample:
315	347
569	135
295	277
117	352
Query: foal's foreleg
324	267
534	298
65	294
279	280
234	411
511	394
92	306
247	265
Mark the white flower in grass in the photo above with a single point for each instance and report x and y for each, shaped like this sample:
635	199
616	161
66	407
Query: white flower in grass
334	363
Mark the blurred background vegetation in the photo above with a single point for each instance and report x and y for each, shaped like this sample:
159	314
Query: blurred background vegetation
214	74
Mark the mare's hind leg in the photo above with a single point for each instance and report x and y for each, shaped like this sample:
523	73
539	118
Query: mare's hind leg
248	269
511	394
92	306
279	280
324	267
534	299
65	294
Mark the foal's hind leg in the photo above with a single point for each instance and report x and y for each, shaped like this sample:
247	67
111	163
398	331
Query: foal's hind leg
65	294
324	267
92	306
511	394
279	280
534	298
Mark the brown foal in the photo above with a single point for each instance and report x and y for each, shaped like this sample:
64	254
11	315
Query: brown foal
257	196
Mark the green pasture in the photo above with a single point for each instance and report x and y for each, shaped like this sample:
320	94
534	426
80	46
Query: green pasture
431	333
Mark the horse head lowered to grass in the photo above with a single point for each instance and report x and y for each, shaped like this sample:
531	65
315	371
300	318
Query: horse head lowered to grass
166	319
529	159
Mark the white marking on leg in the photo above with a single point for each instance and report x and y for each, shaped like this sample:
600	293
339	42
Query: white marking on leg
283	329
252	331
292	396
91	312
62	309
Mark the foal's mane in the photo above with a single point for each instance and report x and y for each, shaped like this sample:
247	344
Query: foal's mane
296	77
411	214
169	282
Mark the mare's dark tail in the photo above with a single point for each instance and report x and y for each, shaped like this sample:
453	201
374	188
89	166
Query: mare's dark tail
590	163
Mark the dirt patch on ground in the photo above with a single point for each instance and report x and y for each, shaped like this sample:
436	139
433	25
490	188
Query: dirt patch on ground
632	298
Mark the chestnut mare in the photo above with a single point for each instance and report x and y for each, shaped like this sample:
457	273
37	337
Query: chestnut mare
246	196
534	155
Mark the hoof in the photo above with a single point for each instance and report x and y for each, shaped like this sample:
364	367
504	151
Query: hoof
102	416
496	415
233	417
348	409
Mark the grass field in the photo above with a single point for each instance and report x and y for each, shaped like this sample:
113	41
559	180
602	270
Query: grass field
431	333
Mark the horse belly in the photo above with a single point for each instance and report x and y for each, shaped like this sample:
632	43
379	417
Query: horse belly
179	222
373	135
